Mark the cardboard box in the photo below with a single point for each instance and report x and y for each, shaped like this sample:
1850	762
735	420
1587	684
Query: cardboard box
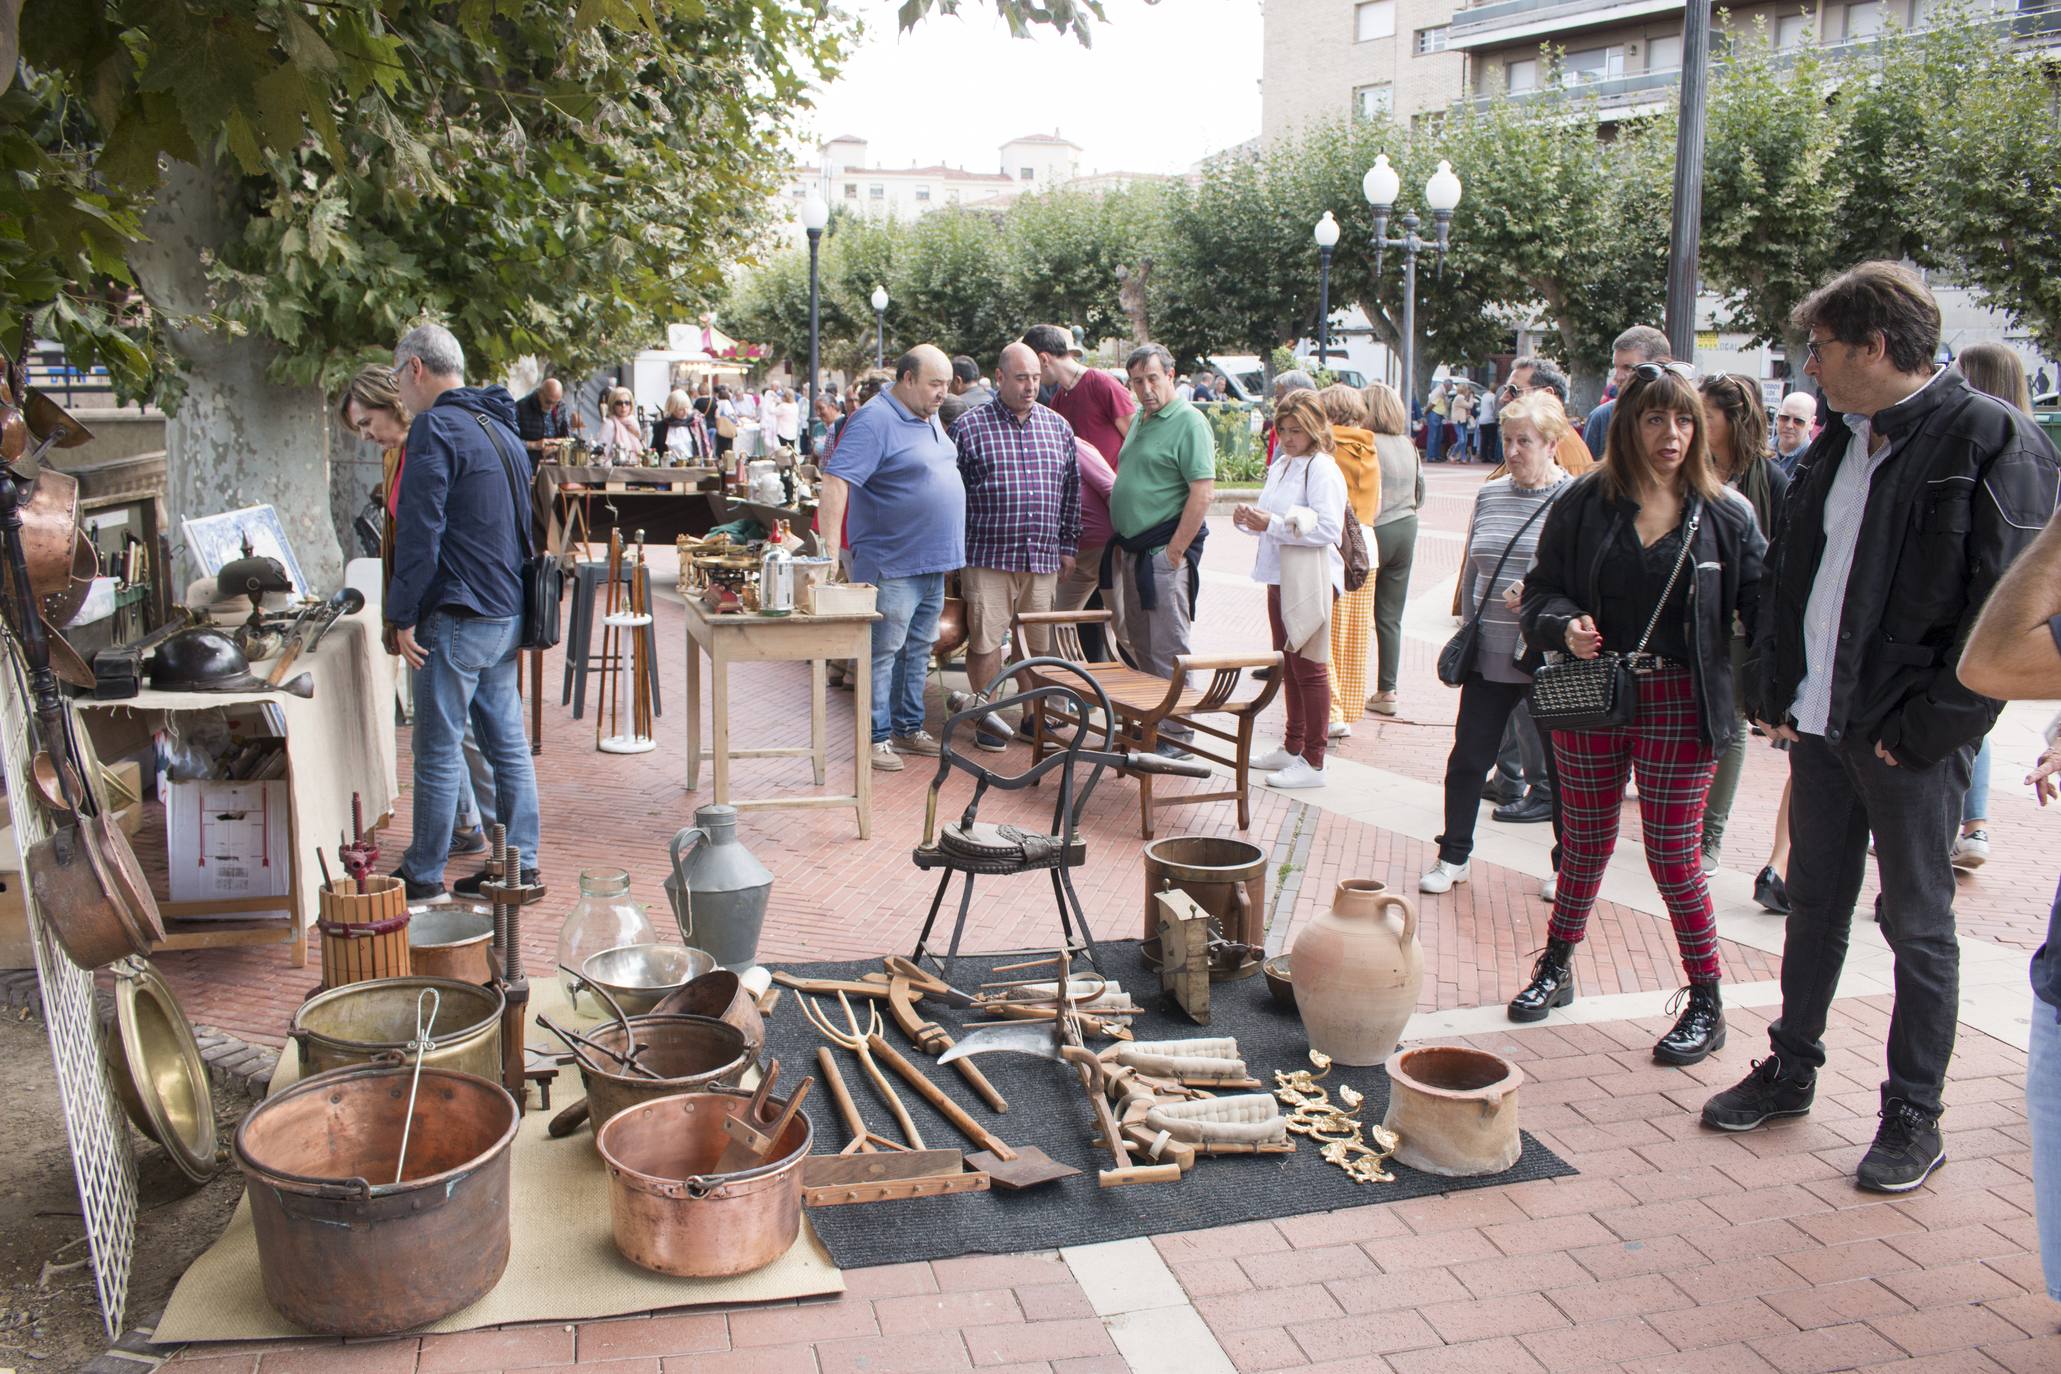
841	598
227	840
15	950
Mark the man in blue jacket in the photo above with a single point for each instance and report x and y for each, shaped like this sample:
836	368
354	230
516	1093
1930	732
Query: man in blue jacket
455	600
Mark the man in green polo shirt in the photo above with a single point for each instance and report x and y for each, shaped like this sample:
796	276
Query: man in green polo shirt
1164	482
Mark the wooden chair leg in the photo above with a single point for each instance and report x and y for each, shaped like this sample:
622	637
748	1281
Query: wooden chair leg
1243	775
1148	742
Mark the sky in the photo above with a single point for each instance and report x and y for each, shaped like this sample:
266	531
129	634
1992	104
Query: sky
1164	85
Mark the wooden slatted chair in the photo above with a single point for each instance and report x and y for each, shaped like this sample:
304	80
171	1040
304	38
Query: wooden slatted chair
1144	703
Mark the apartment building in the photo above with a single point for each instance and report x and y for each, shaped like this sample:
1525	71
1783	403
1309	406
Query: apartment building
843	174
1325	58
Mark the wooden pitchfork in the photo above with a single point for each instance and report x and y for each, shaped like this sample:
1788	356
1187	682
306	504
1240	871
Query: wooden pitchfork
854	1038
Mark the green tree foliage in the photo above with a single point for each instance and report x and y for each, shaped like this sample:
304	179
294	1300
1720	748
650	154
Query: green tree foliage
1066	254
1990	194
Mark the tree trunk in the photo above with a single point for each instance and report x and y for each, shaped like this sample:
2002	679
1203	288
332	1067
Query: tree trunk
237	438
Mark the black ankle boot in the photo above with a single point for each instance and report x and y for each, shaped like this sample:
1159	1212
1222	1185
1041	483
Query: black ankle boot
1551	985
1699	1030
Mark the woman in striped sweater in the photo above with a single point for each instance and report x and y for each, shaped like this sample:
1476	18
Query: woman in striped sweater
1509	513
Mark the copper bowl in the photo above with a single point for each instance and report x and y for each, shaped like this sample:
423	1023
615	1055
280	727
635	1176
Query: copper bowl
673	1215
1279	984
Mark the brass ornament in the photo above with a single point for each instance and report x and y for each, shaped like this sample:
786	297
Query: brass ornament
1343	1138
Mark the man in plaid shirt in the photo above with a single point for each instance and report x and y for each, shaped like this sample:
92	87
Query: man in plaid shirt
1023	519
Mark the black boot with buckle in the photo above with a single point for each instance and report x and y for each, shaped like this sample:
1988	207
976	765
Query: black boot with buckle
1698	1031
1551	985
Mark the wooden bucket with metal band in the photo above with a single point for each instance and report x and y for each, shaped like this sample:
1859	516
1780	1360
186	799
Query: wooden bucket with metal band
364	934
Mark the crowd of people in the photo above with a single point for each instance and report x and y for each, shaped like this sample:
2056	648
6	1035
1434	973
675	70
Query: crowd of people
1813	591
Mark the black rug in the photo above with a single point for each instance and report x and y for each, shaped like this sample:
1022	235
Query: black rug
1048	1108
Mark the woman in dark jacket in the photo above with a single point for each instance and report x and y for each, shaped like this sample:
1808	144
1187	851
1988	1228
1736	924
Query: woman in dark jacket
1736	424
1606	568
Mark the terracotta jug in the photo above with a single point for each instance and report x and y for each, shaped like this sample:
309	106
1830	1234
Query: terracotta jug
1357	973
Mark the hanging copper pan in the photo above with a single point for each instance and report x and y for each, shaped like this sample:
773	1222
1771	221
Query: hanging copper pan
91	892
46	417
50	533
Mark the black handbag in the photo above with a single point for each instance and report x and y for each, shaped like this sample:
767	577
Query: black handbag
1600	693
542	575
1456	659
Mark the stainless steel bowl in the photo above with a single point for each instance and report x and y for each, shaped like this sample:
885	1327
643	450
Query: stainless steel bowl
640	976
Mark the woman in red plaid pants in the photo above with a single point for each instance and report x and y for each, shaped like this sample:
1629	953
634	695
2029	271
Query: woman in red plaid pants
1650	557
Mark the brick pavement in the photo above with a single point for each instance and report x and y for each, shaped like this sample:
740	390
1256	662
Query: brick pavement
1674	1249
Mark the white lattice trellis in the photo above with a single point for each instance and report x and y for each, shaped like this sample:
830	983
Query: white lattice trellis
103	1156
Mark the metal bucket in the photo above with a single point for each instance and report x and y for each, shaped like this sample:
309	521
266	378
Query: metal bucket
672	1216
451	940
344	1250
364	1023
693	1053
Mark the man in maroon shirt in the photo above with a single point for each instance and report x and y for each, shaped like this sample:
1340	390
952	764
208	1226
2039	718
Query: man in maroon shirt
1097	405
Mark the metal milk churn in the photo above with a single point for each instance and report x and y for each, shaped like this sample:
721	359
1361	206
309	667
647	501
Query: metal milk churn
776	580
719	892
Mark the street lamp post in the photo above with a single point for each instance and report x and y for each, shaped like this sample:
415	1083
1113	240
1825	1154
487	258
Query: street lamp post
1685	234
880	326
1326	234
814	215
1441	194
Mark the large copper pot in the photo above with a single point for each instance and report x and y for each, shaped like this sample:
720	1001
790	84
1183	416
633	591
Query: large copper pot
345	1250
672	1215
450	940
689	1053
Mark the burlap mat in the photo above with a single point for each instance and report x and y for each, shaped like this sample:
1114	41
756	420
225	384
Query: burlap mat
562	1263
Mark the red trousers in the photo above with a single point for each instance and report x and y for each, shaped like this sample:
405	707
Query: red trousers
1305	691
1665	747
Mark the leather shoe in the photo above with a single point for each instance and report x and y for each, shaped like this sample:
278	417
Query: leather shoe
1528	809
1698	1031
1551	985
1771	892
1495	790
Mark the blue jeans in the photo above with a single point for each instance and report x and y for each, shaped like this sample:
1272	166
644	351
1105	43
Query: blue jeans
470	675
2043	1114
902	638
478	781
1975	802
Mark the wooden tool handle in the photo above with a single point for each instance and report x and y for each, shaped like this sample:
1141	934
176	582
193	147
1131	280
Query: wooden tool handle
568	1121
286	657
978	1081
841	1096
1139	1173
935	1096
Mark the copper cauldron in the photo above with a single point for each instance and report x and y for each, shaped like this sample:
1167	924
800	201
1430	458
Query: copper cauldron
450	940
345	1250
720	994
690	1053
674	1217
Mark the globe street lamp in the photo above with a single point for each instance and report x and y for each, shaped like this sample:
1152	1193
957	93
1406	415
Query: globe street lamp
1326	234
1441	194
880	326
814	215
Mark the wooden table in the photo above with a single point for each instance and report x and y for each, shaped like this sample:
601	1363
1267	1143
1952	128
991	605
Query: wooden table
798	638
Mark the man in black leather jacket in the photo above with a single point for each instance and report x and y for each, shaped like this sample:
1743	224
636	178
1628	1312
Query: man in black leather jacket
1900	519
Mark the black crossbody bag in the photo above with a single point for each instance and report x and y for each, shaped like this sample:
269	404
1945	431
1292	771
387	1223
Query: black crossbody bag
1456	660
542	576
1601	693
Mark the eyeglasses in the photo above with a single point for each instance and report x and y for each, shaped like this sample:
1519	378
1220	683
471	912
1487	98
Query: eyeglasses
620	404
1815	349
1652	372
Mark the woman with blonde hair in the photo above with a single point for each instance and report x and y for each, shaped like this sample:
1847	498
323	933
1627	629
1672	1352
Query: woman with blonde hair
1298	519
1650	558
619	428
679	434
1502	534
1395	535
1352	618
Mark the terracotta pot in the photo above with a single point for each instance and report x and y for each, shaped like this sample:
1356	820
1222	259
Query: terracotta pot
1455	1109
1357	973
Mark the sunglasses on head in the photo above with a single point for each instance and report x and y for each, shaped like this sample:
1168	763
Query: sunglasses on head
1652	372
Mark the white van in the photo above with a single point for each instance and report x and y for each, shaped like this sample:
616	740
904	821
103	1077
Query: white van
1248	380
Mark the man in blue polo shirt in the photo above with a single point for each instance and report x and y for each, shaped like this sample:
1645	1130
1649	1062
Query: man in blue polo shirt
897	473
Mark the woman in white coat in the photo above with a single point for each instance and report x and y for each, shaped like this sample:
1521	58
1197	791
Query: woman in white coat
1299	517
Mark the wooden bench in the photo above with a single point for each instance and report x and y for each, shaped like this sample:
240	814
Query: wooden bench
1145	704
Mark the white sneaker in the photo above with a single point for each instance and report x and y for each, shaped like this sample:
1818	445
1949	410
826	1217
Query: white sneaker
885	759
1274	760
1442	876
1298	773
1549	890
1970	851
1340	730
